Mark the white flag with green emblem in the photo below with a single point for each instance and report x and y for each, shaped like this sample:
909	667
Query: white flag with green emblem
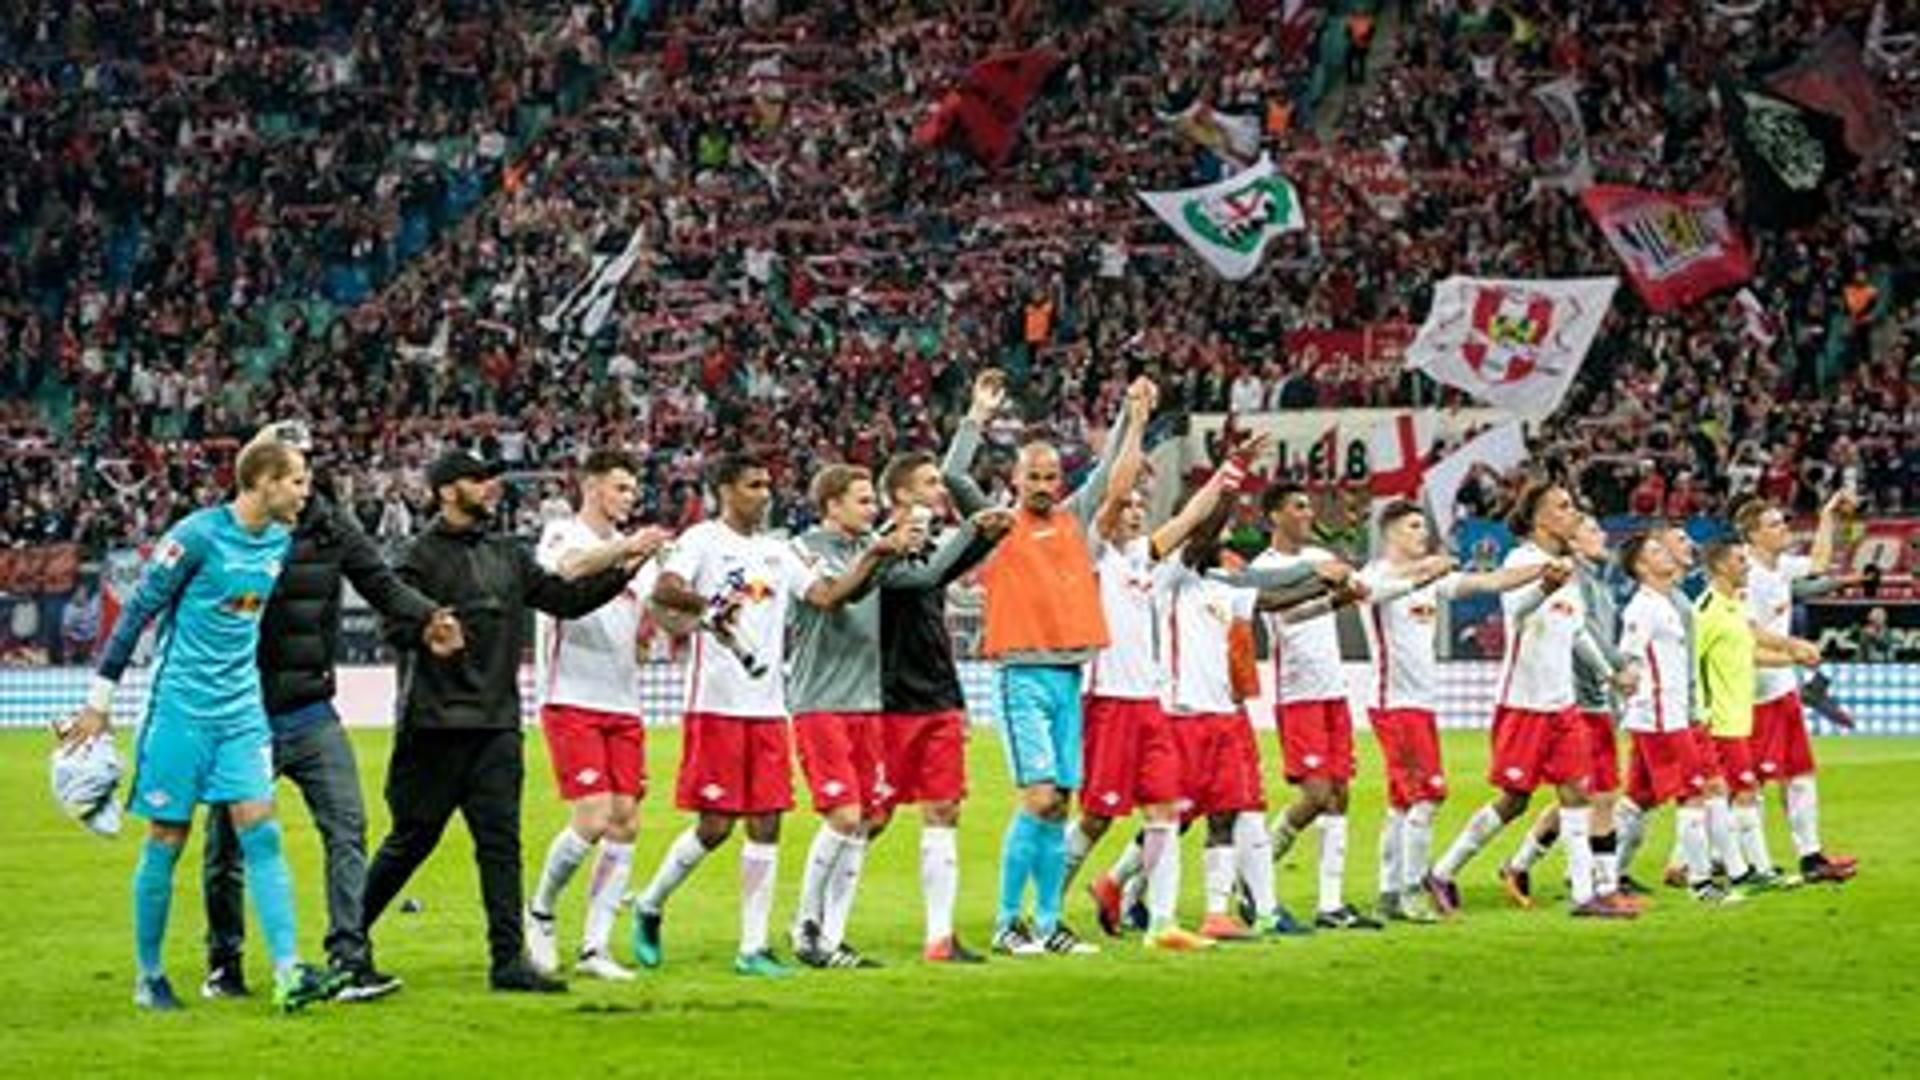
1229	222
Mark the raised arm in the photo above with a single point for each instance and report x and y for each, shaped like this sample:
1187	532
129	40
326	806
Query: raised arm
1826	534
989	393
1093	490
1221	485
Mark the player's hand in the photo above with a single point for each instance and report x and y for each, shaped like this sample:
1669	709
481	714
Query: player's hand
1350	592
443	634
1333	571
1142	397
645	543
1627	680
1842	502
993	523
1803	652
989	394
1557	573
1434	566
904	539
87	724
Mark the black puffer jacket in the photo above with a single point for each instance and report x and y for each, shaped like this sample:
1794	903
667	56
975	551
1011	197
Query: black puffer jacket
301	631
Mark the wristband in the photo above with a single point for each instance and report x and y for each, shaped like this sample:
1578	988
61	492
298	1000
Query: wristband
1232	472
100	694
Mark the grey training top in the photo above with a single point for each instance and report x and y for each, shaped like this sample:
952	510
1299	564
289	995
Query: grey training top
1592	691
833	658
1083	504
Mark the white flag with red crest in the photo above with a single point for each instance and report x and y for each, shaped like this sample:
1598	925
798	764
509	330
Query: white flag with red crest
1515	345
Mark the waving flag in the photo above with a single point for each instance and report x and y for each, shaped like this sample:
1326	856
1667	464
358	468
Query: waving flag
1231	136
985	110
1229	222
1515	345
1677	248
586	306
1788	154
1833	78
1557	137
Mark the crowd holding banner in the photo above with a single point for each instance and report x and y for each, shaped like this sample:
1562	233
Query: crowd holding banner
1676	249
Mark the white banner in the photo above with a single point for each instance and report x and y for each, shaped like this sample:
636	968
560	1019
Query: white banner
1515	345
1230	222
1557	137
587	305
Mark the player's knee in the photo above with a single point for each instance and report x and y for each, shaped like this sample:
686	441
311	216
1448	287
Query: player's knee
172	834
941	815
246	814
1094	827
1220	829
764	828
712	830
844	820
1039	800
1511	804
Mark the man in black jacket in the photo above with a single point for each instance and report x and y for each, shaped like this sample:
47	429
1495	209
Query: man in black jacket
458	742
300	634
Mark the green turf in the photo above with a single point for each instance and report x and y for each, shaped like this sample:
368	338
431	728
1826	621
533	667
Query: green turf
1820	981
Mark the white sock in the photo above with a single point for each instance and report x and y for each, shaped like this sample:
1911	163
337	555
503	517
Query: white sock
1417	844
1803	815
939	878
1530	851
1483	826
1392	844
564	856
1160	853
840	891
759	865
604	889
1132	861
1691	824
1630	826
822	857
1606	869
684	854
1720	836
1219	867
1253	853
1333	861
1078	845
1575	823
1752	836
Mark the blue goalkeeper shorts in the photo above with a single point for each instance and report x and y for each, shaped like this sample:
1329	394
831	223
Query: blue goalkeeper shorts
181	763
1040	723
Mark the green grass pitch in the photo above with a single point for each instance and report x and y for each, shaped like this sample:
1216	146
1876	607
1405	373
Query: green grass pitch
1821	981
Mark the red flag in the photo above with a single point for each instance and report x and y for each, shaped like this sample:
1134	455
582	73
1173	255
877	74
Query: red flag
1677	248
1832	78
985	109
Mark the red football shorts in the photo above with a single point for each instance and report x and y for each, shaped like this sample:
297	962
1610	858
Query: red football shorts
595	752
1410	746
840	756
1219	764
1733	760
1603	767
1781	749
1666	767
1531	748
734	765
923	758
1316	740
1130	757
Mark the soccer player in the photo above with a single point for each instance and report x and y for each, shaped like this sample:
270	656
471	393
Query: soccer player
1043	622
735	759
1593	695
1402	608
1131	755
1729	649
1310	711
1538	736
206	737
923	728
587	676
1665	763
299	637
835	689
1782	752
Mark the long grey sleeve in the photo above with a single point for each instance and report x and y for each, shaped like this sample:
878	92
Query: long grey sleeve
1086	499
930	572
1267	578
957	469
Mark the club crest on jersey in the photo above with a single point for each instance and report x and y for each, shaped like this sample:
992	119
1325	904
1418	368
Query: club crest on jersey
248	603
1423	611
1561	607
169	553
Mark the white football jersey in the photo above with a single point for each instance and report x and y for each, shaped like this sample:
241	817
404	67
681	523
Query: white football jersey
1400	640
591	662
763	575
1536	672
1306	655
1654	632
1127	667
1770	606
1196	614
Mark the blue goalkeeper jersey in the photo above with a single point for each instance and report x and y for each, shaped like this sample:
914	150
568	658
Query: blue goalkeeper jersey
207	582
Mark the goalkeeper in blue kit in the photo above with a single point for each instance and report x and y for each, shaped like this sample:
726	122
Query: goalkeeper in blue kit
206	738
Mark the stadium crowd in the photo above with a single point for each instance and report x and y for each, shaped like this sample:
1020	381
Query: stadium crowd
814	283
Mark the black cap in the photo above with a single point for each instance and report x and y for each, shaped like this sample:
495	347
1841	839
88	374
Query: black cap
455	465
